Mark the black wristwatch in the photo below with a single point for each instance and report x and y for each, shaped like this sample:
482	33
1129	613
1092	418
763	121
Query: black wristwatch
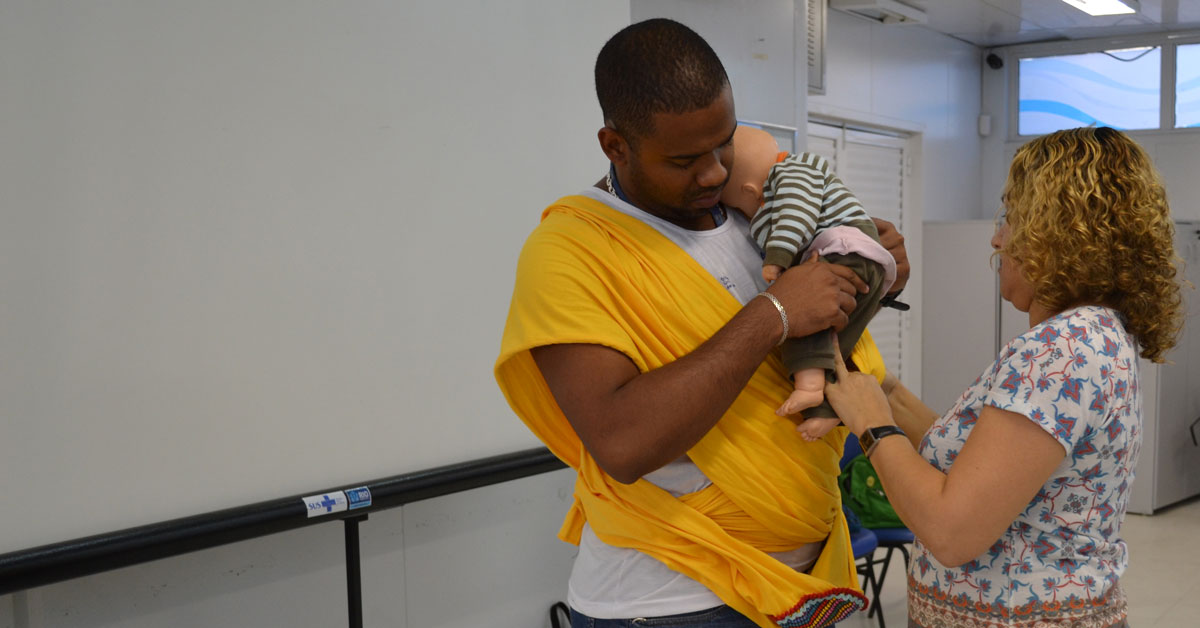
872	436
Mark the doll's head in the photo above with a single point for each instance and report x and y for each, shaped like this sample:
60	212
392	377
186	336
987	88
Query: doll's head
754	153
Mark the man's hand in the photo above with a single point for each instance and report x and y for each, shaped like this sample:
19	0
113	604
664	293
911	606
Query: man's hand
894	243
816	296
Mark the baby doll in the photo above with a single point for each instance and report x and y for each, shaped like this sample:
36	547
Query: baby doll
798	207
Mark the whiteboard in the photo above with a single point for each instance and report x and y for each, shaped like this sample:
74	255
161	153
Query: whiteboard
249	249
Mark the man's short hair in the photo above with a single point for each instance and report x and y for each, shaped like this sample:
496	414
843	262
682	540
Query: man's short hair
655	66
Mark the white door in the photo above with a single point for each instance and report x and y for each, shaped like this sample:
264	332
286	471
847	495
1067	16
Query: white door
878	168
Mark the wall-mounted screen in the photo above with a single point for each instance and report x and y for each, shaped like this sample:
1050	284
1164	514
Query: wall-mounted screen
1115	88
1187	86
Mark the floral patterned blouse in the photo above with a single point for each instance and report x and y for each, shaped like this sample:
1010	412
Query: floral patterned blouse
1076	376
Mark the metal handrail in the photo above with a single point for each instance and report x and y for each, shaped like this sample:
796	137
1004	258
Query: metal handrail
47	564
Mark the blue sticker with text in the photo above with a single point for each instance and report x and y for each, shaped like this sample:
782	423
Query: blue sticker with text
358	497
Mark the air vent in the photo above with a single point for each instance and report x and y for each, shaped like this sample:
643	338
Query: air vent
882	11
815	38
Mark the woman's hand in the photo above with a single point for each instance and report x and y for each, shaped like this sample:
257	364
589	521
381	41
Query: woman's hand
856	397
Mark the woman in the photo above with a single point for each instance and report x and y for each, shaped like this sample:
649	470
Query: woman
1017	494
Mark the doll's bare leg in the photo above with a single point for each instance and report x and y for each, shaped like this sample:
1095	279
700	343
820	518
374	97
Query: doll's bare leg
771	272
816	427
810	391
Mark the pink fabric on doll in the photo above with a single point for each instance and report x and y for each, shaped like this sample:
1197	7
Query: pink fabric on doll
845	240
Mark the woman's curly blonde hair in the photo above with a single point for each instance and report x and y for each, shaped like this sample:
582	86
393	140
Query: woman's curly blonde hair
1089	223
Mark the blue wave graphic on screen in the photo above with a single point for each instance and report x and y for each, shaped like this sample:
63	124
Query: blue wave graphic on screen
1048	66
1093	88
1061	109
1189	85
1187	88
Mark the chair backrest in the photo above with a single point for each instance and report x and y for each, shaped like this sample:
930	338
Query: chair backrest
863	543
851	451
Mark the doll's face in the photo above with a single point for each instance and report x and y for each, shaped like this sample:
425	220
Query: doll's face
755	153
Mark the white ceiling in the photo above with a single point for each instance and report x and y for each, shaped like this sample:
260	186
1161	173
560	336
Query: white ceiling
990	23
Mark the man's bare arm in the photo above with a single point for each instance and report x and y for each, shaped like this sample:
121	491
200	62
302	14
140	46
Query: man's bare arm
633	423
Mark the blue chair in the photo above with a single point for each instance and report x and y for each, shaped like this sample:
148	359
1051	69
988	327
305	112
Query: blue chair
863	543
891	539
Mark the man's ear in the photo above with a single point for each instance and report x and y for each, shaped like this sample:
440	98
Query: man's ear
614	145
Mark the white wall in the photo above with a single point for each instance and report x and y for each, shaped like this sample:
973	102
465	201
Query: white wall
996	150
484	557
1176	156
201	204
756	42
251	249
909	76
960	303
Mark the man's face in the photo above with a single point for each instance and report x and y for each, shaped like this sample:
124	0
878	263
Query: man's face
678	171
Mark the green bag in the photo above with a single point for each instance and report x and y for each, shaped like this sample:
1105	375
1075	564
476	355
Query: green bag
863	493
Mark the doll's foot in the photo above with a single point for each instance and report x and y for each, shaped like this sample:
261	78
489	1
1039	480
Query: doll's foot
800	400
815	428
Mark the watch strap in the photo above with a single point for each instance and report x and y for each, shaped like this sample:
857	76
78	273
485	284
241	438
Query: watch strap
871	437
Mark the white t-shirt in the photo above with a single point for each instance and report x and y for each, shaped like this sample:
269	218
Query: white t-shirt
614	582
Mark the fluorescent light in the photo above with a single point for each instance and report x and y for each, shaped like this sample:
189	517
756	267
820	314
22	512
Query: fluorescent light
1105	7
1138	49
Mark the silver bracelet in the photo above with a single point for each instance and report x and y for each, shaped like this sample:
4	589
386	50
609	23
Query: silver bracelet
782	314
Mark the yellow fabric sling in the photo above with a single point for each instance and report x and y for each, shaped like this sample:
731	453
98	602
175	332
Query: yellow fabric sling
590	274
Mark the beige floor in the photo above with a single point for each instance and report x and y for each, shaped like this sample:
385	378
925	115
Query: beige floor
1162	583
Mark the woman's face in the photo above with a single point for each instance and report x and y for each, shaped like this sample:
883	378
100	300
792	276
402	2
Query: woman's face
1013	286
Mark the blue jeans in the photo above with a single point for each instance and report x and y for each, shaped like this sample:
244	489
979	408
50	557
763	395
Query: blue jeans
719	617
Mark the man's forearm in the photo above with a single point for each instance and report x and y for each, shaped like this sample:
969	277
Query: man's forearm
633	423
652	418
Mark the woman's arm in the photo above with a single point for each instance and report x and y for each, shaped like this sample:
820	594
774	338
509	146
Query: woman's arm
957	515
909	412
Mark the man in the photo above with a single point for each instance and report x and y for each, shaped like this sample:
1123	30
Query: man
639	348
